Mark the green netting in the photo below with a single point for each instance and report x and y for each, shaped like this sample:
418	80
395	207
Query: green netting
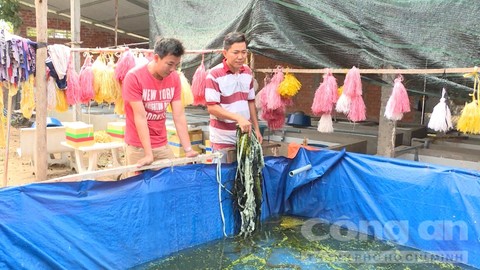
337	34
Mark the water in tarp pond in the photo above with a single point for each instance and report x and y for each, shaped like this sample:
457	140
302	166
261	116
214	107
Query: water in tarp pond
287	243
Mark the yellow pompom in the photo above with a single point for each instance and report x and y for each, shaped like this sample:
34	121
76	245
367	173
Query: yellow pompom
101	136
27	103
340	91
62	105
289	87
469	121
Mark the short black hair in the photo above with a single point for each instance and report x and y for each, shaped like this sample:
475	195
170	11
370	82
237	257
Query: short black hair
233	37
166	46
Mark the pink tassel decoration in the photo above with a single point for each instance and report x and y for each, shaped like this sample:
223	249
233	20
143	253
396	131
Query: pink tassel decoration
124	64
275	117
352	88
352	85
398	103
86	81
261	98
198	85
358	111
73	88
274	100
326	95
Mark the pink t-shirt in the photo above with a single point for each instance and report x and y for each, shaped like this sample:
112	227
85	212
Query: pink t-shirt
140	85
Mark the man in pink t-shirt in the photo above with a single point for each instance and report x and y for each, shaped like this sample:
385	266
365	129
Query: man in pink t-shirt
147	91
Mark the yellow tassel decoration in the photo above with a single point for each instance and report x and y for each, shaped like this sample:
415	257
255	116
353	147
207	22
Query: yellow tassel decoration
27	103
289	87
119	105
110	86
469	121
99	69
187	95
62	105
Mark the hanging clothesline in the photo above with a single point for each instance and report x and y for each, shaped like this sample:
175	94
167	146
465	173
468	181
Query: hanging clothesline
108	50
374	71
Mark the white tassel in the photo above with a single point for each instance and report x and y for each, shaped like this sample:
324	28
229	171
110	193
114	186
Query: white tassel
441	118
325	124
343	104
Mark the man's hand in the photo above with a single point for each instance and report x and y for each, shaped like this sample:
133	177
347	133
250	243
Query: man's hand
245	125
259	136
147	160
191	153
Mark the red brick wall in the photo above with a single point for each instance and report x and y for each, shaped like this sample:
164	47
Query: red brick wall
91	36
310	82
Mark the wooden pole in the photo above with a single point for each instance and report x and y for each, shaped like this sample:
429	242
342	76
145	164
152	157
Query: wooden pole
386	127
116	23
75	43
41	92
7	146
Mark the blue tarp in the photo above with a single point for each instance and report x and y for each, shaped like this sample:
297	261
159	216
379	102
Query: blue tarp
118	225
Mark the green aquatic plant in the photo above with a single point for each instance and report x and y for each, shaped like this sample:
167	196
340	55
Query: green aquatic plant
247	190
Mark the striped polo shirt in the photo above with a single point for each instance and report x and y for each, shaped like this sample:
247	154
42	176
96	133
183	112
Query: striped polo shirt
232	92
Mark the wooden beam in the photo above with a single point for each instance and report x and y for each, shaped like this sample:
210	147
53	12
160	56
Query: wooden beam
41	10
133	168
376	71
100	50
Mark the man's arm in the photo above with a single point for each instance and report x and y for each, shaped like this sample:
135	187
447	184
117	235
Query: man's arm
140	119
219	112
254	119
181	127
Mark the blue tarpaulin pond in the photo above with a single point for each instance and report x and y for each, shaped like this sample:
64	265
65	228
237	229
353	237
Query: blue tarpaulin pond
121	224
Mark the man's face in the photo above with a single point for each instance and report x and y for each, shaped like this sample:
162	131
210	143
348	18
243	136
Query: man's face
236	55
166	65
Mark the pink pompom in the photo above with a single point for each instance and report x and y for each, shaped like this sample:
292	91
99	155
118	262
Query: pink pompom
274	98
402	102
124	64
86	81
326	95
73	88
398	103
357	109
352	86
198	85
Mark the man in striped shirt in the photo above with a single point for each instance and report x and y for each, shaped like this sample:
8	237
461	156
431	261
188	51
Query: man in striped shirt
230	95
